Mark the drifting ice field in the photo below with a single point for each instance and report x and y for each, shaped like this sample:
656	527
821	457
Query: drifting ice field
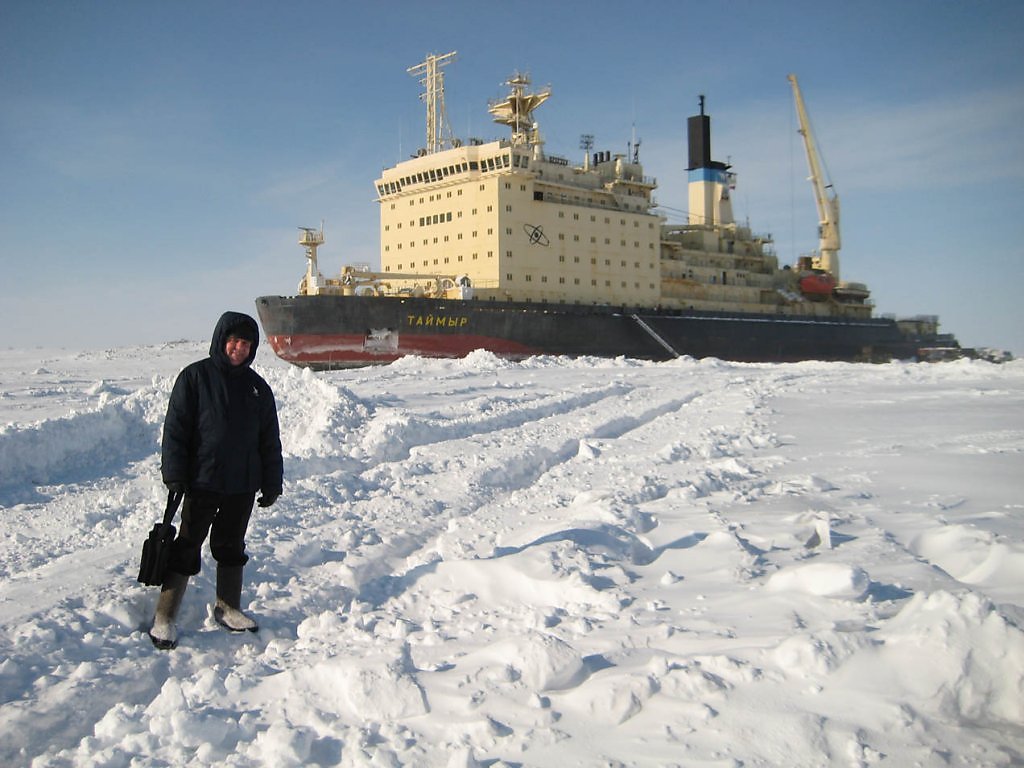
547	563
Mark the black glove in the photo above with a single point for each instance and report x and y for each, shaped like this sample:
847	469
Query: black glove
267	499
175	486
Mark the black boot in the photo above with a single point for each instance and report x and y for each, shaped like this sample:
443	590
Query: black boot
227	612
164	633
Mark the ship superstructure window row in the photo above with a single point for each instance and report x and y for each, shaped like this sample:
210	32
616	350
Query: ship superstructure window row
437	218
498	162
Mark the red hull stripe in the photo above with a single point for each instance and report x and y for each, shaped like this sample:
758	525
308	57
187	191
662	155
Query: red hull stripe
349	348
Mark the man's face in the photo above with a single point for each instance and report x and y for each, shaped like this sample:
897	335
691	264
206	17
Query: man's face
237	349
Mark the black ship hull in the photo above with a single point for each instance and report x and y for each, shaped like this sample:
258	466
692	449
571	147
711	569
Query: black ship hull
331	331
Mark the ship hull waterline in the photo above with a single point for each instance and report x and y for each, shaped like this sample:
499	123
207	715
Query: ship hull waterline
332	331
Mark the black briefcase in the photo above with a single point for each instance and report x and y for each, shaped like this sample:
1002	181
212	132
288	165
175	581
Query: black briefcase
157	548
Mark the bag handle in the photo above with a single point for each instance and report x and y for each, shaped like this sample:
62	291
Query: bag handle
173	500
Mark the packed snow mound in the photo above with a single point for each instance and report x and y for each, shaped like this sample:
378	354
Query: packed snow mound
108	436
542	563
822	579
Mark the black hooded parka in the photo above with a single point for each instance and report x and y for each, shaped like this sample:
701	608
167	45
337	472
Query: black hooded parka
221	433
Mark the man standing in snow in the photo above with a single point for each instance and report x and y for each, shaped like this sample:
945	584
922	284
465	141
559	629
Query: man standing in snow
221	444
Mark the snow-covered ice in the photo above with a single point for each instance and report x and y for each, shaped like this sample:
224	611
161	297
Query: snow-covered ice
547	563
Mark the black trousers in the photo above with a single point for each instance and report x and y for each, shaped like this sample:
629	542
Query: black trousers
224	518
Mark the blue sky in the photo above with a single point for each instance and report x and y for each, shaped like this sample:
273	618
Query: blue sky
156	158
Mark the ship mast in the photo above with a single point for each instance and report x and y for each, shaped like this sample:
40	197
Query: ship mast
824	193
439	132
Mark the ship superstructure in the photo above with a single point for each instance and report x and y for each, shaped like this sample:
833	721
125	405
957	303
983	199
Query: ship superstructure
519	224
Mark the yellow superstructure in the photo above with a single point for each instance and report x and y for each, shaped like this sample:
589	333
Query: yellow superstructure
518	224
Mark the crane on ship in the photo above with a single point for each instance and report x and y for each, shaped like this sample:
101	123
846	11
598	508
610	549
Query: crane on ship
827	258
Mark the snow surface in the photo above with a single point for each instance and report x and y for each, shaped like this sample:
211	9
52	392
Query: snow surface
548	563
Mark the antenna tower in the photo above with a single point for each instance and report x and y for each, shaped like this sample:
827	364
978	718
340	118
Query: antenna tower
439	132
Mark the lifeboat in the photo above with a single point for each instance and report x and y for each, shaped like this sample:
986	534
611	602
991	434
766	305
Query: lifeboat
817	285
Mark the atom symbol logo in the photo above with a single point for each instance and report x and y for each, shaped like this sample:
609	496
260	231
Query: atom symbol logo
536	234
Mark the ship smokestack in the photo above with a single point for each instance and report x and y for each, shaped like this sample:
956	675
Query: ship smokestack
698	129
709	181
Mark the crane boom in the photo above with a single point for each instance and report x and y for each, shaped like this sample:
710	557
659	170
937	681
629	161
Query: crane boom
824	193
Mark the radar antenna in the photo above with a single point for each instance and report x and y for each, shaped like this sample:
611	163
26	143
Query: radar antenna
516	110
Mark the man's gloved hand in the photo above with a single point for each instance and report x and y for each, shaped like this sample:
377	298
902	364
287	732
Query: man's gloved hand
174	486
267	499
